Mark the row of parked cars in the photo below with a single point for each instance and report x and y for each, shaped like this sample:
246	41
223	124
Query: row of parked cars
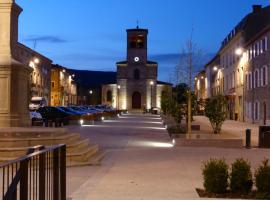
81	115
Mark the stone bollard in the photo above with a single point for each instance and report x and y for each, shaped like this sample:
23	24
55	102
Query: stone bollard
248	138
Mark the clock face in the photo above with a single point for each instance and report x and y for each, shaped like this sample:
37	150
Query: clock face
136	59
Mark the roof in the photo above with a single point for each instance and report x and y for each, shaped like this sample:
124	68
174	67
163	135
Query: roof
251	24
214	59
33	51
137	30
164	83
148	62
256	22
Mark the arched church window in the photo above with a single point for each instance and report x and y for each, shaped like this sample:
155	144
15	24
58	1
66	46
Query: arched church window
109	96
137	74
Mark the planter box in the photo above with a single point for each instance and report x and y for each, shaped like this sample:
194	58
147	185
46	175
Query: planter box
205	140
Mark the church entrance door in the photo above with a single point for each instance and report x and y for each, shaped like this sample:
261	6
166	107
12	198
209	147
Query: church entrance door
136	100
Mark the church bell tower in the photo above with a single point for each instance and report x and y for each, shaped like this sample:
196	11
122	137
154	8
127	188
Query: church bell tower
137	76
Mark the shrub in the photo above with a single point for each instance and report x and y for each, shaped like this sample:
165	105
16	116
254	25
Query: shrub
241	176
177	129
215	111
262	176
215	175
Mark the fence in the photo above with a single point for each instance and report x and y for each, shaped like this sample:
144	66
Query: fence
40	175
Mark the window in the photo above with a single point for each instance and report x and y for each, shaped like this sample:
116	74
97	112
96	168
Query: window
233	80
250	81
137	42
264	76
247	82
265	43
256	79
257	111
136	74
109	96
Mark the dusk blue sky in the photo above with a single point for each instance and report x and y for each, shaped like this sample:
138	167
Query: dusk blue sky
90	34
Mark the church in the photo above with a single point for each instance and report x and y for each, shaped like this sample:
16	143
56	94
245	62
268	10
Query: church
136	86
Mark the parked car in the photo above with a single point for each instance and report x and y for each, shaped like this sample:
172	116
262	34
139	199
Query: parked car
37	102
53	115
36	118
76	116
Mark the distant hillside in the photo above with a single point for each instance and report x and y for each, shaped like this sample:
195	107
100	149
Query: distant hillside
87	78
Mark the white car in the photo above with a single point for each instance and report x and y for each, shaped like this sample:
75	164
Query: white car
35	117
37	102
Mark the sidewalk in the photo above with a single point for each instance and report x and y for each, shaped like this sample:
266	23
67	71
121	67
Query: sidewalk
230	128
142	164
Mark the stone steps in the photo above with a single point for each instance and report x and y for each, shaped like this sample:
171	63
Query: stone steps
79	151
33	141
94	160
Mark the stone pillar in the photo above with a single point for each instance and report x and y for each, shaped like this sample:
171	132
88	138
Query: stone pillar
14	76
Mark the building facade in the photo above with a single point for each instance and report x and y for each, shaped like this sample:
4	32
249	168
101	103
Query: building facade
137	86
40	77
63	87
240	70
257	87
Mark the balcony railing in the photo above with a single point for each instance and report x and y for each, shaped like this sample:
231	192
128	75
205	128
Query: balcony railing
40	175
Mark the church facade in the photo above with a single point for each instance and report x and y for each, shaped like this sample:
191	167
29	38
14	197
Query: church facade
136	86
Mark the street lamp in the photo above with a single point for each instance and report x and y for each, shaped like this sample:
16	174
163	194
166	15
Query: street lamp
36	60
118	92
239	51
151	83
90	92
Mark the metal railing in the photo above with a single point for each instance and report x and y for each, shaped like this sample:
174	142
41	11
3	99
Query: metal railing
39	175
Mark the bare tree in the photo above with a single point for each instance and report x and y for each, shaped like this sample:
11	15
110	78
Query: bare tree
185	72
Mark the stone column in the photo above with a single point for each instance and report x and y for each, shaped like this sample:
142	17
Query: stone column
14	76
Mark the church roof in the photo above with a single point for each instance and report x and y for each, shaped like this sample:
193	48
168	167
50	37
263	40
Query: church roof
148	62
137	30
164	83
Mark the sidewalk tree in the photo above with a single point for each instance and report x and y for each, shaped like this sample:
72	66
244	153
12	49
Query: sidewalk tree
165	103
184	73
215	111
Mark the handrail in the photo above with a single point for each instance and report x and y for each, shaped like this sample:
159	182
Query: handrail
39	175
30	155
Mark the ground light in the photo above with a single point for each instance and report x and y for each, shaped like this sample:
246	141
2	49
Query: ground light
81	122
154	144
102	118
173	142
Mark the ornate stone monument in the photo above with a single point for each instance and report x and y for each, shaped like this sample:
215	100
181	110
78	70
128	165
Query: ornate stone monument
14	76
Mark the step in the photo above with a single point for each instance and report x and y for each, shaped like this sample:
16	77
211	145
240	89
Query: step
47	141
31	132
84	155
95	160
90	156
79	145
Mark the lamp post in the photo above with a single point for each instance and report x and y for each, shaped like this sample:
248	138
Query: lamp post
90	92
118	93
151	84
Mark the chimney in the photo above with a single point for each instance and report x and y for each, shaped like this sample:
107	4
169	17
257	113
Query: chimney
257	8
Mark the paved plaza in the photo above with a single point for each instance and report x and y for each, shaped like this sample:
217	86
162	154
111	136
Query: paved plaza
142	164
